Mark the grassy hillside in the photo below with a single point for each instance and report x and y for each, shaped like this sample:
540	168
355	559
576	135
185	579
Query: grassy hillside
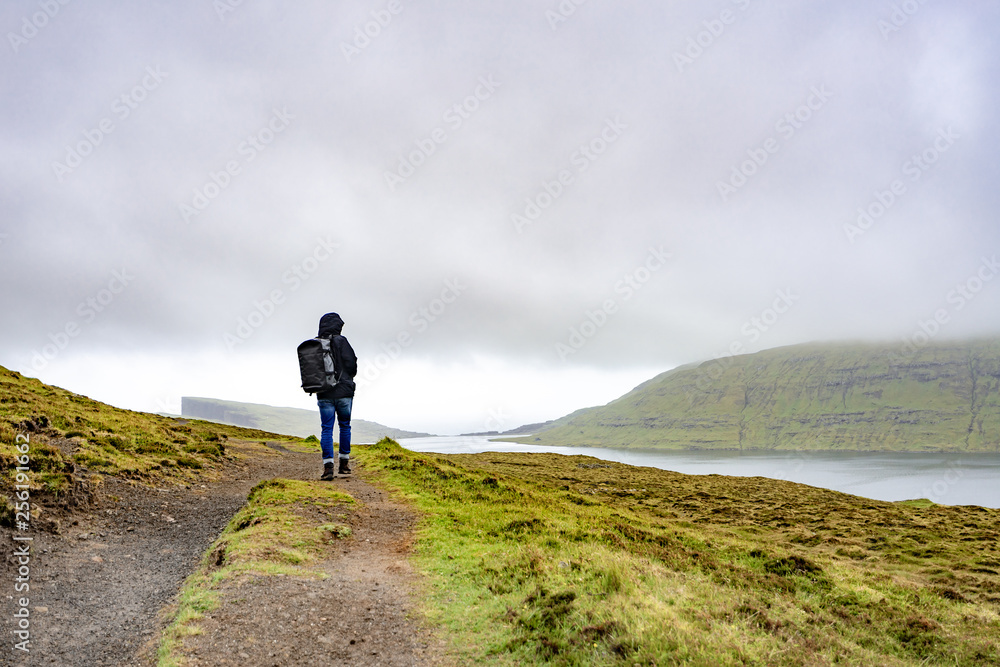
290	421
543	558
70	434
563	560
847	397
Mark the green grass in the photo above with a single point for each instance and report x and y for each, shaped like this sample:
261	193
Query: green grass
109	441
852	397
285	527
544	558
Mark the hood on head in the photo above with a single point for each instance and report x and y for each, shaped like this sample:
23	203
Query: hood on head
330	325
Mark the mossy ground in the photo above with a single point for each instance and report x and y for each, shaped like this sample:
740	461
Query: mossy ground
544	558
285	527
103	439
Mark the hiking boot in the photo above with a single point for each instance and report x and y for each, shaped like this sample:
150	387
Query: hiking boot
327	472
344	468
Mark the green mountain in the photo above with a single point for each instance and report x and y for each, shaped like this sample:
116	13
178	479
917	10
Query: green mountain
942	397
287	421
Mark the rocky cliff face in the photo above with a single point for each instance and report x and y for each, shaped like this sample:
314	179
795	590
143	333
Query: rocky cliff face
211	410
287	421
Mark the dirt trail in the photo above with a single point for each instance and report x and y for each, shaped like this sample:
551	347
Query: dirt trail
97	587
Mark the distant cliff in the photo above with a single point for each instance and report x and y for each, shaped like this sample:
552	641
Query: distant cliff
288	421
943	397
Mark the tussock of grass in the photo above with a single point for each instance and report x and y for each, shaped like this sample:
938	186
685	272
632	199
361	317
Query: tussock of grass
303	445
555	559
283	529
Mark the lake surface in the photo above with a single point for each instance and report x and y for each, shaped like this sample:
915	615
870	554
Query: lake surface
949	479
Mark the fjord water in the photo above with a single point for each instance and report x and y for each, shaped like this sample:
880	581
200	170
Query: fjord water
945	478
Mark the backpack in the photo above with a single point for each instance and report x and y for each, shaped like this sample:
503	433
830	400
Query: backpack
317	366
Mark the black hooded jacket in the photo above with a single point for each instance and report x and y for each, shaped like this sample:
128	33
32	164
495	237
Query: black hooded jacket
330	326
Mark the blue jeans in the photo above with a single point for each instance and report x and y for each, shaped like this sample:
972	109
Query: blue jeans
339	409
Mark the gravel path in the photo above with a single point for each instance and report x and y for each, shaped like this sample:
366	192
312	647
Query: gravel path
358	615
97	586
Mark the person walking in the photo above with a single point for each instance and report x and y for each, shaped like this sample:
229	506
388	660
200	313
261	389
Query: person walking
335	404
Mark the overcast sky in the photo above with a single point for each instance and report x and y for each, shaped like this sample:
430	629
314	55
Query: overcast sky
519	208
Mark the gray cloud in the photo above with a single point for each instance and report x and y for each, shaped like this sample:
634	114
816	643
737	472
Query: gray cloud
206	126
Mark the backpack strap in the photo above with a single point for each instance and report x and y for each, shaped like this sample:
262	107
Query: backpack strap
330	349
